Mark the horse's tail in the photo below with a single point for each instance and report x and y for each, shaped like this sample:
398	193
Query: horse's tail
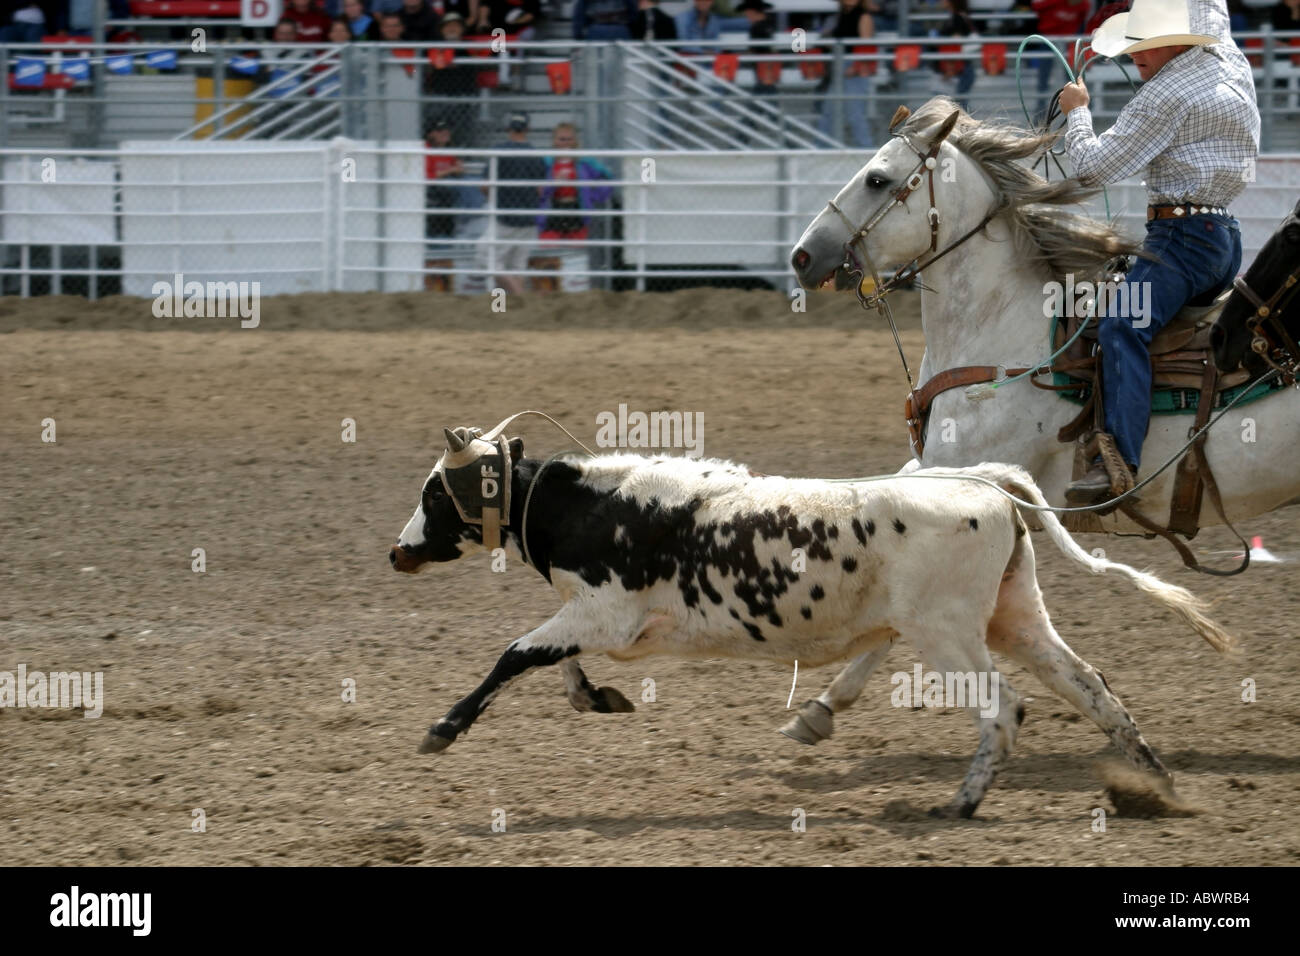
1182	602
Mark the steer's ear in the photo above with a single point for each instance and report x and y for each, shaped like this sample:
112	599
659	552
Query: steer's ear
516	448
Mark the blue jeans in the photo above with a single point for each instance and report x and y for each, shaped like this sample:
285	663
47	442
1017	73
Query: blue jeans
856	91
1199	258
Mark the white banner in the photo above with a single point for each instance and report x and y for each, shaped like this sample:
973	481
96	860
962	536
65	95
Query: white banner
260	13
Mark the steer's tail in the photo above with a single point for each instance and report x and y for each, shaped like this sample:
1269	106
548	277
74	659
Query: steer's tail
1179	600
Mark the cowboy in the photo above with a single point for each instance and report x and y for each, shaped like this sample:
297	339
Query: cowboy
1192	131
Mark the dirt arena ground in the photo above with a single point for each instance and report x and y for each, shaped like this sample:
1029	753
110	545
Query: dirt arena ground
224	688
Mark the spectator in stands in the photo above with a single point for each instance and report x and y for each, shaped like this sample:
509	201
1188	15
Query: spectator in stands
468	9
651	23
1057	18
518	229
760	28
391	29
1286	15
361	23
459	78
438	169
852	22
603	19
418	20
339	31
286	31
698	22
311	23
958	24
884	14
517	17
27	24
565	203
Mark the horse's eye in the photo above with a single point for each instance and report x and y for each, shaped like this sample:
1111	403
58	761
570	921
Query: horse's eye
875	182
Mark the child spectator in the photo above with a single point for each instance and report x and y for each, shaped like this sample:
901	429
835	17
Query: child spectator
566	202
361	23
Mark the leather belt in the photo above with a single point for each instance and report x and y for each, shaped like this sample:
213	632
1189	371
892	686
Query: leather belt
1182	211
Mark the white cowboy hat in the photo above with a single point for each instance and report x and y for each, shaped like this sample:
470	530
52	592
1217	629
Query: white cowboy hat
1147	25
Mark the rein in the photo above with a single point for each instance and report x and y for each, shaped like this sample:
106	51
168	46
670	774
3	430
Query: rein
857	260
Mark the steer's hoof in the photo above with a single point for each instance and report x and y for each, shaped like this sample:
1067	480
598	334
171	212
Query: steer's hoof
433	744
610	701
813	723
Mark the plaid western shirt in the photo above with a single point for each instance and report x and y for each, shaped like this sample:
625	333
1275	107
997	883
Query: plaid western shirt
1193	127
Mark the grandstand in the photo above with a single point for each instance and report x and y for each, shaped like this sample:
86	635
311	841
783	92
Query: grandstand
770	125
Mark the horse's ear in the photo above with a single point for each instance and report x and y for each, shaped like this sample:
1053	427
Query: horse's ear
900	114
516	449
945	128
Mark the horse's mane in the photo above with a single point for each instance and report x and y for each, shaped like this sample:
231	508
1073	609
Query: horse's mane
1066	242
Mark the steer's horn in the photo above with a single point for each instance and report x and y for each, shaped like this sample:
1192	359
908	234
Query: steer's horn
454	441
900	114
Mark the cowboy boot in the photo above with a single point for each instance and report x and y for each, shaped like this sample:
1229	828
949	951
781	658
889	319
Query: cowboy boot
1094	487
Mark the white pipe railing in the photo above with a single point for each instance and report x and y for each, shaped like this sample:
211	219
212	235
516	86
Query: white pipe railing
698	225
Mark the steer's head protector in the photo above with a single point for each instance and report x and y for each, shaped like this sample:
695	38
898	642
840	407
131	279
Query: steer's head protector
475	470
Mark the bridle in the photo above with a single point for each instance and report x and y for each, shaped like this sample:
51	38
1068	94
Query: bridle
858	262
1268	332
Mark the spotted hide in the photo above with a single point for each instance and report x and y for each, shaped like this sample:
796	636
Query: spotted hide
699	558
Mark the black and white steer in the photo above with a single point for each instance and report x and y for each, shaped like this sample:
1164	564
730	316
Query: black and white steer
696	558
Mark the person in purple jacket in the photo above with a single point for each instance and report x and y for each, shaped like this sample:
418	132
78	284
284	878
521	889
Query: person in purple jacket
563	201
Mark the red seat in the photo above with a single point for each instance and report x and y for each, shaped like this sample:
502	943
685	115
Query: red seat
561	77
907	57
865	67
725	66
768	72
63	40
993	57
1255	44
812	69
952	67
185	8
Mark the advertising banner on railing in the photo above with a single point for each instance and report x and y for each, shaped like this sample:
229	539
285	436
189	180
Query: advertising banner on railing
260	13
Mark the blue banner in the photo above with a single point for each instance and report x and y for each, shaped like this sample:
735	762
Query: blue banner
244	64
279	86
29	71
120	64
78	69
161	59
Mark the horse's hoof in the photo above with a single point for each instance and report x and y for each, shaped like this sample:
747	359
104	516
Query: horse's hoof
954	811
813	723
614	702
433	744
